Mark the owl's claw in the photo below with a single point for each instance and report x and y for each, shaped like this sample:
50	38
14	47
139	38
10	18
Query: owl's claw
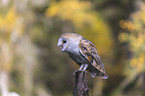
76	71
83	67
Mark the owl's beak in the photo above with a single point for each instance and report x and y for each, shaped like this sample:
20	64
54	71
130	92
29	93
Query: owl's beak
60	44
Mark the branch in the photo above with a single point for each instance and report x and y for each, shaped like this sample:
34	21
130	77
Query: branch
81	86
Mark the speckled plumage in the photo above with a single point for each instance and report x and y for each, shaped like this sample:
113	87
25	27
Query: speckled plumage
83	52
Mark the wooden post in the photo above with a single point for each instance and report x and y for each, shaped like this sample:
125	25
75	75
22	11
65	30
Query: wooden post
81	86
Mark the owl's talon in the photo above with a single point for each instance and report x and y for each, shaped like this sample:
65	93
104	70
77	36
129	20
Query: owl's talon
76	71
81	67
85	67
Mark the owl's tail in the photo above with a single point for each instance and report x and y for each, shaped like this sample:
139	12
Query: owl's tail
105	76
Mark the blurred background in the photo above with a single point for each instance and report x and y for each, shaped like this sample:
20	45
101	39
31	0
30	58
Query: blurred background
31	64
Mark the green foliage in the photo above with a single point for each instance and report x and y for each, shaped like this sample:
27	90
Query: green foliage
134	35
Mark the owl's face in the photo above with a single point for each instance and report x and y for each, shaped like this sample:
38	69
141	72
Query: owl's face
69	41
63	43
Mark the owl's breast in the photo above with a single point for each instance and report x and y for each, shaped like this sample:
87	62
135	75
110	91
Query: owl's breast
79	59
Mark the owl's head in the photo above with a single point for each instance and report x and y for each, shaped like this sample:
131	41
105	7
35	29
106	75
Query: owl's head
68	41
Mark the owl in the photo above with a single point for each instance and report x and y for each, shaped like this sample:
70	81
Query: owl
83	52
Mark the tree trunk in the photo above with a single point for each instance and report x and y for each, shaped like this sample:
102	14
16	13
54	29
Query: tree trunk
81	86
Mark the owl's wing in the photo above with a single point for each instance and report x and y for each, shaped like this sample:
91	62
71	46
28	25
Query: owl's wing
89	51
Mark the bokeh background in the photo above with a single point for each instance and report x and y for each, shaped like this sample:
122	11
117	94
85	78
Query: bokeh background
31	64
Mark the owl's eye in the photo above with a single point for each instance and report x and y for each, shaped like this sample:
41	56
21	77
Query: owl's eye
64	41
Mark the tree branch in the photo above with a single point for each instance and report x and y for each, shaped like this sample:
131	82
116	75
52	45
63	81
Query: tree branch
81	86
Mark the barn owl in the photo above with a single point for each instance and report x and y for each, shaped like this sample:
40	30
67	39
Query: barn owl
83	52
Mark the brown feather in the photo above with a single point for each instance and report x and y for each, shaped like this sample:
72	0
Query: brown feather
89	50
